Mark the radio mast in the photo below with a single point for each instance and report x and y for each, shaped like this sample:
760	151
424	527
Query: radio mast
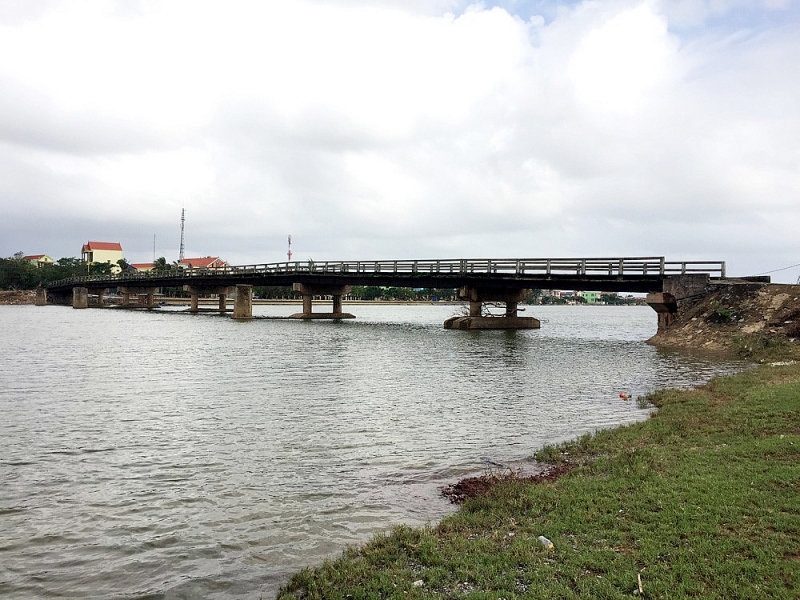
180	253
289	251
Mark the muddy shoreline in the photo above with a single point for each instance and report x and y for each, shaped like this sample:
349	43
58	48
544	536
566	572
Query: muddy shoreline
472	487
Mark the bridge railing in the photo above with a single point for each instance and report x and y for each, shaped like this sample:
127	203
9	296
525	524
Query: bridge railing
519	267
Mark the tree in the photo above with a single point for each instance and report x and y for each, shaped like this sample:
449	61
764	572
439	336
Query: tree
100	268
160	265
18	273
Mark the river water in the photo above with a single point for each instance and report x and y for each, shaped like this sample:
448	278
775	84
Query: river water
168	455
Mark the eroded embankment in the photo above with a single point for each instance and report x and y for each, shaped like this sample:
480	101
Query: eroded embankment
740	319
17	296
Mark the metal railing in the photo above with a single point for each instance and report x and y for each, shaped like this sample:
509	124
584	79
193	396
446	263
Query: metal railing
518	267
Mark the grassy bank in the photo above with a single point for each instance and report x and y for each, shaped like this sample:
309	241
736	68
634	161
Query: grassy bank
701	500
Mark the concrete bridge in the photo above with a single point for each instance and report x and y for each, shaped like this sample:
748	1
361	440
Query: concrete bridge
669	285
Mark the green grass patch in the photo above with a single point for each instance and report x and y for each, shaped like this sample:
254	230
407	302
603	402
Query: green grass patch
699	501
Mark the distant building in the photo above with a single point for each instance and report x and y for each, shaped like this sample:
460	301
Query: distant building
39	260
590	297
142	266
205	262
100	252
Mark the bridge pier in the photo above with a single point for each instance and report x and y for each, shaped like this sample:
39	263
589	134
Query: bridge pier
476	320
80	297
308	292
243	305
145	296
41	297
195	290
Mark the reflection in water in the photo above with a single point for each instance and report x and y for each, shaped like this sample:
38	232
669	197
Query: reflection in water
187	455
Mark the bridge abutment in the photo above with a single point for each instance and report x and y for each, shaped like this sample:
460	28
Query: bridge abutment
677	294
477	320
41	297
308	292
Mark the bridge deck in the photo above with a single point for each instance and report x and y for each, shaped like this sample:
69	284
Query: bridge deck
636	274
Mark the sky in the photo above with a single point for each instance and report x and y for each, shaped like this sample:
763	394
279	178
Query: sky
400	129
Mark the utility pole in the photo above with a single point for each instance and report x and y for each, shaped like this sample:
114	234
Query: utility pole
180	253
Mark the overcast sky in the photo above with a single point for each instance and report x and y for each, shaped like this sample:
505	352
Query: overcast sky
403	129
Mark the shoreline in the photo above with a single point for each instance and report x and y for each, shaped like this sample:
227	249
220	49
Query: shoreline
622	510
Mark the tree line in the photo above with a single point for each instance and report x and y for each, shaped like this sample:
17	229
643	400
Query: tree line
16	273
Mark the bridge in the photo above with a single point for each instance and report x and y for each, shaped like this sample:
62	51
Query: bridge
669	284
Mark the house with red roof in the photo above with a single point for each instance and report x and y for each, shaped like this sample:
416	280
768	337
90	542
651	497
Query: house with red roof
142	266
101	252
206	262
39	260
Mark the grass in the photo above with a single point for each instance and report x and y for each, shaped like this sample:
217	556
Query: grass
699	501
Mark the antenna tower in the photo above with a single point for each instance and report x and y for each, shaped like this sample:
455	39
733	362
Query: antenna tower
289	251
180	253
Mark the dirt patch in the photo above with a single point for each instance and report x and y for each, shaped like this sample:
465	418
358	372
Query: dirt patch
471	487
733	312
17	296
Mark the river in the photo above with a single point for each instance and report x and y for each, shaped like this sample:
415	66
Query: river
167	455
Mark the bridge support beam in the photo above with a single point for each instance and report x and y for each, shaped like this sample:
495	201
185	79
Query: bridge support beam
308	292
80	297
41	297
476	318
243	305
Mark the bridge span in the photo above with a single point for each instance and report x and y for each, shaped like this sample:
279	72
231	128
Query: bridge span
669	284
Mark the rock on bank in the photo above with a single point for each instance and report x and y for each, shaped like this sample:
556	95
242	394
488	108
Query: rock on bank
17	296
731	317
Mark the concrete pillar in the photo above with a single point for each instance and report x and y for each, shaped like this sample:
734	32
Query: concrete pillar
223	291
145	296
308	292
511	308
41	297
475	308
243	304
476	320
80	297
100	294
